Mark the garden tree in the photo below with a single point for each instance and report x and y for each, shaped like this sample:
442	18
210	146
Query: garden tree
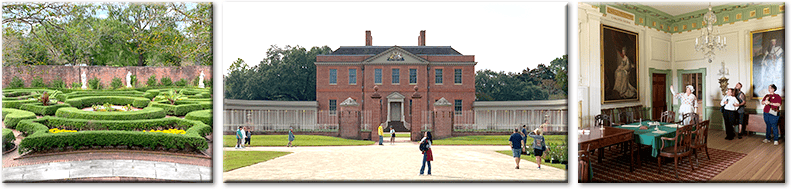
144	21
501	86
199	22
286	74
559	66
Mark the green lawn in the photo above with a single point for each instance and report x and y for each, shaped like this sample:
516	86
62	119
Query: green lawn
532	159
495	140
238	159
300	140
401	135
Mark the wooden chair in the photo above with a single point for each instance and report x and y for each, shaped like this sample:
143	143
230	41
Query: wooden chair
639	114
668	117
602	120
584	166
626	118
700	141
681	147
691	117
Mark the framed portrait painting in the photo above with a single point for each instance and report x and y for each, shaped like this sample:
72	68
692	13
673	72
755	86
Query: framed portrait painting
619	64
767	52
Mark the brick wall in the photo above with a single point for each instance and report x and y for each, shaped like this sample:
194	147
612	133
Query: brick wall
71	74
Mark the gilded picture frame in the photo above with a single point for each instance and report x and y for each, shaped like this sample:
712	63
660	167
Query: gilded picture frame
766	62
620	62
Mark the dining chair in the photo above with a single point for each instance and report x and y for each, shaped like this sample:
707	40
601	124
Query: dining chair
700	141
679	149
602	120
584	166
626	118
689	118
668	117
639	113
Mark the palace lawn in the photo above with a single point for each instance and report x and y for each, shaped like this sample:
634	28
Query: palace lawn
496	140
300	140
237	159
531	158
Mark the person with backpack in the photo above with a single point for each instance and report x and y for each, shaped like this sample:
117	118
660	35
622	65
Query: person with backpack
428	156
516	143
539	145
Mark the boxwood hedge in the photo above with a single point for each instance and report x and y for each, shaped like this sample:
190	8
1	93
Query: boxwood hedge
180	109
146	113
204	116
40	109
127	93
8	138
12	116
16	104
118	133
84	102
151	94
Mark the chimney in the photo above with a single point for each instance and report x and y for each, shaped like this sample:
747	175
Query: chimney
368	38
421	40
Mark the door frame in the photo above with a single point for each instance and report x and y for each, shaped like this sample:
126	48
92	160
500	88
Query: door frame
668	82
680	75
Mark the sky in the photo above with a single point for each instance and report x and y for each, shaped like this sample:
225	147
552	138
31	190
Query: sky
503	36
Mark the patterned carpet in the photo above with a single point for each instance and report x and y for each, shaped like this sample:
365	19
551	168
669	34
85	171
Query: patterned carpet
615	168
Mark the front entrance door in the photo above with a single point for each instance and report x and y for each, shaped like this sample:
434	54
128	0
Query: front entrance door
395	111
659	101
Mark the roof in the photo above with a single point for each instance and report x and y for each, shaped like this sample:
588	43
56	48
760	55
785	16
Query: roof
417	50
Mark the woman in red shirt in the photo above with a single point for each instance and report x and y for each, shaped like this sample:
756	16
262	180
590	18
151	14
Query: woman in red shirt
771	104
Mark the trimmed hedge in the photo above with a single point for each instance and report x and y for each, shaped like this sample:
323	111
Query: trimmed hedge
180	109
12	116
40	109
8	138
146	113
151	94
117	133
204	116
79	94
84	102
17	104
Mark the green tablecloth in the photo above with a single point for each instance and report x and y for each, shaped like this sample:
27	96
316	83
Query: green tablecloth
649	137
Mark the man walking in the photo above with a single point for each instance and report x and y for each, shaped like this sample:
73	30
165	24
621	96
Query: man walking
380	135
740	111
516	141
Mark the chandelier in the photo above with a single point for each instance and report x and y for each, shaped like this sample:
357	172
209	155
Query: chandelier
709	37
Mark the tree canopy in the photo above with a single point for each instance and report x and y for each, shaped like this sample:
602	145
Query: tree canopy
109	34
541	83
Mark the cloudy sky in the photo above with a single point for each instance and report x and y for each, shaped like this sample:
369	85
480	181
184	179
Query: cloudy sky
503	36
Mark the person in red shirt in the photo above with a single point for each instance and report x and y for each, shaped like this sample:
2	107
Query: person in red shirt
772	103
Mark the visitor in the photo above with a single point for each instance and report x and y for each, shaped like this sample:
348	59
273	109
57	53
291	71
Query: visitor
772	103
539	146
689	103
740	112
238	138
428	156
516	143
290	136
380	135
244	136
523	132
545	127
729	113
249	135
392	136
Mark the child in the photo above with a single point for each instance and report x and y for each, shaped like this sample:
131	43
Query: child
538	144
290	136
392	136
249	135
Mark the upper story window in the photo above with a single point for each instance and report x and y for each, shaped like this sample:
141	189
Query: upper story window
438	76
412	76
333	76
378	76
352	76
457	76
396	76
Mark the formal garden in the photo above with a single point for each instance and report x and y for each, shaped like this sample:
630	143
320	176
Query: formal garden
159	116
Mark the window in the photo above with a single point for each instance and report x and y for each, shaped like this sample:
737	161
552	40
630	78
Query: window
438	76
396	76
333	106
352	76
457	106
457	76
378	76
333	76
412	76
410	107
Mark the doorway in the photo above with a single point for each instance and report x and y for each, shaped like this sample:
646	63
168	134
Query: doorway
658	98
395	111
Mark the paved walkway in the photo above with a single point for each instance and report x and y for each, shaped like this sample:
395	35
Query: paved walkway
391	163
107	168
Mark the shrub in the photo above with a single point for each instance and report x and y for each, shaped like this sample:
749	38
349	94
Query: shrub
40	109
8	139
83	102
76	85
181	83
38	82
16	82
146	113
180	109
196	81
152	81
165	81
116	83
95	83
207	82
12	116
151	94
16	104
133	79
78	94
204	116
58	83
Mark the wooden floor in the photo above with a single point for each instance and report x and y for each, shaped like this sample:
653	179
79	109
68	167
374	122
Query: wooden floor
764	161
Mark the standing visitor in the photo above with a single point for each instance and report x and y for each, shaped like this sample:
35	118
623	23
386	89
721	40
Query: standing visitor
523	132
729	113
392	136
243	137
238	138
539	146
290	136
545	126
380	135
428	156
516	143
742	101
689	103
249	135
771	104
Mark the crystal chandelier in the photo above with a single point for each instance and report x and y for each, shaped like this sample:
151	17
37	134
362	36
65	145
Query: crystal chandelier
709	37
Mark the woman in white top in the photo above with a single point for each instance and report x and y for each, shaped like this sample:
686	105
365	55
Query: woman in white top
689	103
729	113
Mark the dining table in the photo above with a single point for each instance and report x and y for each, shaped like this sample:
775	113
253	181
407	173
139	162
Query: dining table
596	138
652	136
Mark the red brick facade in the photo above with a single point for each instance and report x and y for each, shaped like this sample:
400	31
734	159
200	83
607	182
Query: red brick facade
71	74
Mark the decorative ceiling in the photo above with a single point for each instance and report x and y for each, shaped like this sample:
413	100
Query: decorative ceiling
682	17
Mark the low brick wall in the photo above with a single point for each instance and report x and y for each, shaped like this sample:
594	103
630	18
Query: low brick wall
71	74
